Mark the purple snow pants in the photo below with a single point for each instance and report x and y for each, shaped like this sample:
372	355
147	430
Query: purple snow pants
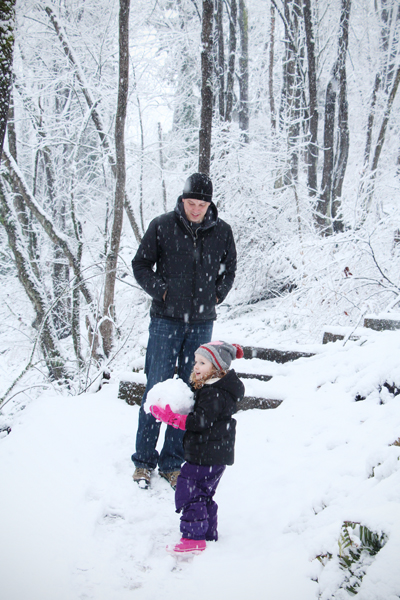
194	497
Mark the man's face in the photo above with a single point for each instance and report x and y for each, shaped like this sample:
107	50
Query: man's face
195	210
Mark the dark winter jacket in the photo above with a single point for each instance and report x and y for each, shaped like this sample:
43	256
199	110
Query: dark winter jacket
210	429
194	265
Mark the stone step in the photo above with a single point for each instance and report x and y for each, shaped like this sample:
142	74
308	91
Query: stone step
250	402
388	322
254	376
382	323
334	336
273	355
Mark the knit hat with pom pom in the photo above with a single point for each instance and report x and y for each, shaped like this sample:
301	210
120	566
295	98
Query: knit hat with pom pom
220	354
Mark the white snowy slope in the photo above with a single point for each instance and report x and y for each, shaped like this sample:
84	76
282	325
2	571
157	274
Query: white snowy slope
74	526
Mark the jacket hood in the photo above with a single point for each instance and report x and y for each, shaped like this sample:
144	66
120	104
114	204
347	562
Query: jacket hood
231	384
210	218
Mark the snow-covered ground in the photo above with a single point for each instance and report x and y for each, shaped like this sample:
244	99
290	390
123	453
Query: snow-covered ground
74	526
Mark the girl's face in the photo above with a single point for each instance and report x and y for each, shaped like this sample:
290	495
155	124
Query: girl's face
202	367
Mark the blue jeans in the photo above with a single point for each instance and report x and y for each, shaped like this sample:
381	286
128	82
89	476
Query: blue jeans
170	342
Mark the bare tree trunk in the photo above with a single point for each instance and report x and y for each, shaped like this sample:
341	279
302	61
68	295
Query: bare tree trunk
18	202
381	137
271	69
370	124
231	61
11	134
160	151
141	160
107	324
328	213
76	298
7	20
220	62
60	271
390	20
312	150
206	88
291	89
62	314
244	71
343	147
387	78
343	121
76	324
322	215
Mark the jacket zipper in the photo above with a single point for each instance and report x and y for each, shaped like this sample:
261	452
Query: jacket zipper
195	238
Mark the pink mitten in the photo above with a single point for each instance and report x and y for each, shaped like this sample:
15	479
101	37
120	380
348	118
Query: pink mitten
168	416
158	413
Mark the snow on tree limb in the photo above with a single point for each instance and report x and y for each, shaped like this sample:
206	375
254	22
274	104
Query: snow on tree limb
95	115
57	237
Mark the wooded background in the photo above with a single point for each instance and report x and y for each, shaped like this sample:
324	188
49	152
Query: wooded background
291	106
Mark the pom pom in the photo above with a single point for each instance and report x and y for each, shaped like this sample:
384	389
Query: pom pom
239	351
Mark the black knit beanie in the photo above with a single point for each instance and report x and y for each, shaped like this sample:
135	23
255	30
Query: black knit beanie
199	187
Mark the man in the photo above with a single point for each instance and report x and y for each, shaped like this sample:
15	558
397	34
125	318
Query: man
194	255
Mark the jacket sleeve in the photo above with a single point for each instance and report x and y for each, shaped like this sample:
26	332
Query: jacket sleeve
207	410
143	264
226	277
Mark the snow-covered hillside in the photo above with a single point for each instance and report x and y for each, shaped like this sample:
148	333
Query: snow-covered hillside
74	525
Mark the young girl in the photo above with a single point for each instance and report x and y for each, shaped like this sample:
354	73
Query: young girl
208	442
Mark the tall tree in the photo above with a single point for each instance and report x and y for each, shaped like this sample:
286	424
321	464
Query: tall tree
230	77
206	87
312	150
381	138
244	71
271	68
336	147
107	324
386	80
7	23
220	56
292	88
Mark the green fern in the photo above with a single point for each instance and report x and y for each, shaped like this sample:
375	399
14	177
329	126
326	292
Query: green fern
357	547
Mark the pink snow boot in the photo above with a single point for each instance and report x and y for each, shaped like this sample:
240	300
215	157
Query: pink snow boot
186	546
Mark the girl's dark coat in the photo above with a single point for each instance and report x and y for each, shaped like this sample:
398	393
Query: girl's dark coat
210	428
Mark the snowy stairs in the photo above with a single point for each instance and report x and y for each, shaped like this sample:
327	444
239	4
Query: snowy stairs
131	389
386	322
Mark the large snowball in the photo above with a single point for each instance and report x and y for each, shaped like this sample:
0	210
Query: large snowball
174	392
